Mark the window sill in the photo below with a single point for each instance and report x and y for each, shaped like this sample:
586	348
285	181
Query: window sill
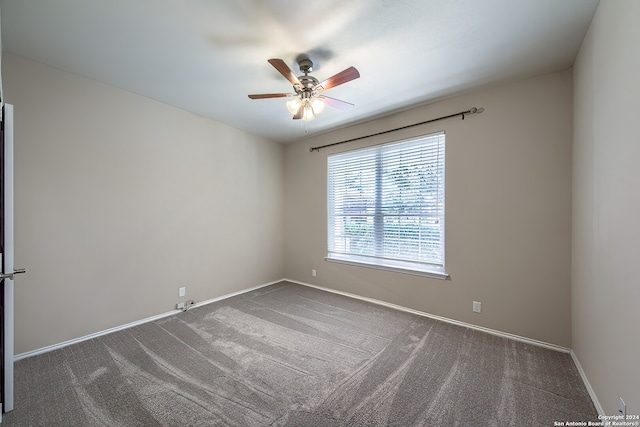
431	274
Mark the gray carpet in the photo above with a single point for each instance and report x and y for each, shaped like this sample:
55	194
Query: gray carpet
290	355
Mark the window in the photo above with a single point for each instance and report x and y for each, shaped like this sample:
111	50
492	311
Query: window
386	206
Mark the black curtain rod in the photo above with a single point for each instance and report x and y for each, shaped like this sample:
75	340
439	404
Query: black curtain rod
473	110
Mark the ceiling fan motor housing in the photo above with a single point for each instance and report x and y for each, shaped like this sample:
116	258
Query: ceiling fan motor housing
307	81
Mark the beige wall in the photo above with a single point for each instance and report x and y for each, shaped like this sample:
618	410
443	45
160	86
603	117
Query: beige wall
508	211
120	200
606	205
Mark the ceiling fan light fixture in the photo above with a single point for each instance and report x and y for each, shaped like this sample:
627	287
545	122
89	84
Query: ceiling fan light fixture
294	105
310	107
317	105
308	114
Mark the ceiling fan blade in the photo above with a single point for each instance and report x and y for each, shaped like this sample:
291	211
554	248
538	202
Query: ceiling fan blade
284	69
299	113
271	95
336	103
342	77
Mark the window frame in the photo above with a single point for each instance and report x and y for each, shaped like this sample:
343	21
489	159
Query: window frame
375	260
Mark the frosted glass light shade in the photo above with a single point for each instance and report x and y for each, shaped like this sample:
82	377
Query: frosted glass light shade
308	115
293	105
318	105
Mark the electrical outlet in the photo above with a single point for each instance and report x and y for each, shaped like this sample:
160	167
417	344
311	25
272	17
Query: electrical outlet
180	306
182	291
314	273
622	408
477	307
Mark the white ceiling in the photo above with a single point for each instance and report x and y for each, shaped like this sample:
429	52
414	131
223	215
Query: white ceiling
206	56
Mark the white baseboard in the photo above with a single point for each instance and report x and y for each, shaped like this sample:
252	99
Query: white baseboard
592	393
129	325
444	319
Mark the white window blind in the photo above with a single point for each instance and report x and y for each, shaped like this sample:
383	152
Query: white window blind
386	205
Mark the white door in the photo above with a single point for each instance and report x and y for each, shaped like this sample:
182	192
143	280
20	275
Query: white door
6	256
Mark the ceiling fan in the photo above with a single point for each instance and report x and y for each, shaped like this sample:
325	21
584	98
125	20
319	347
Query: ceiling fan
309	99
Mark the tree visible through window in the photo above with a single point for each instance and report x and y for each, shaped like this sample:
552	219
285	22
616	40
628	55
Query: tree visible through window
386	205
